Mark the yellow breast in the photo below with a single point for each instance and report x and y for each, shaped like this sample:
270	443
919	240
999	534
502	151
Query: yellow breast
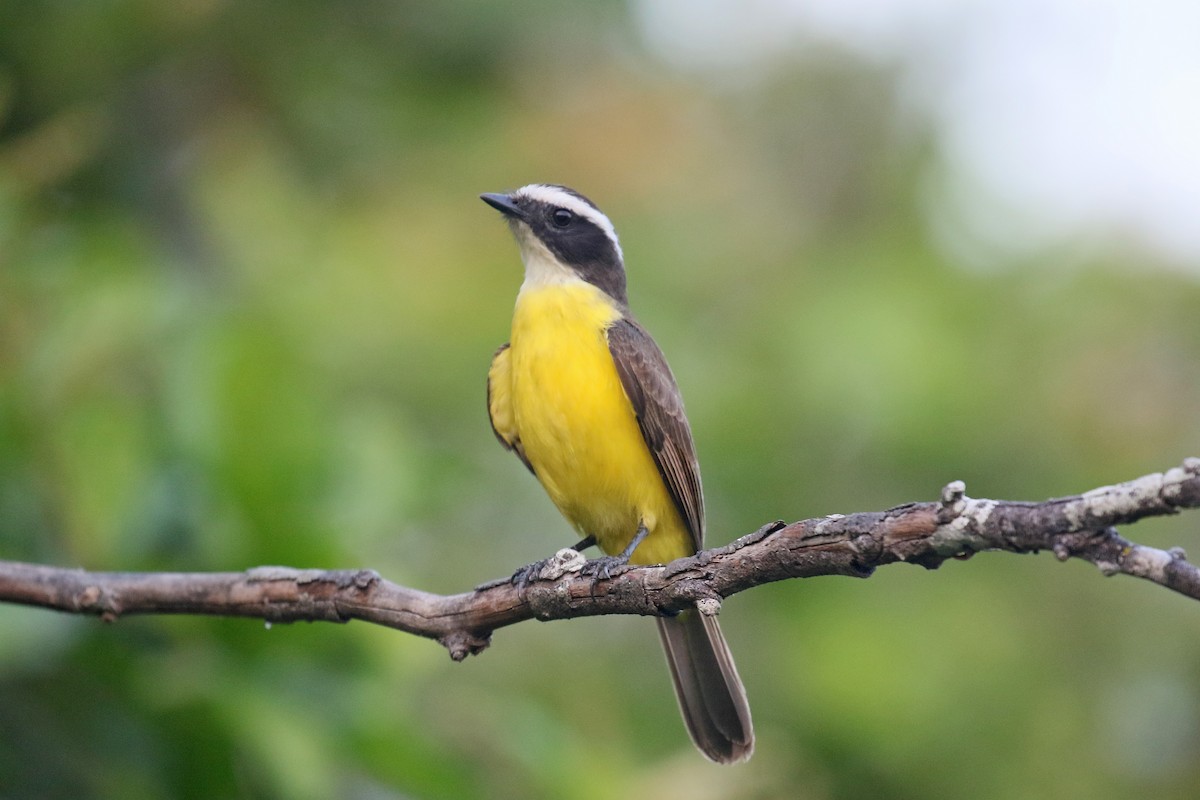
578	428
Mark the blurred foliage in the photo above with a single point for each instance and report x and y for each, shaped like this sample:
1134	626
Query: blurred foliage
247	301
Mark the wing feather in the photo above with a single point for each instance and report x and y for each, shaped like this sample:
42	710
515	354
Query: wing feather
499	405
658	404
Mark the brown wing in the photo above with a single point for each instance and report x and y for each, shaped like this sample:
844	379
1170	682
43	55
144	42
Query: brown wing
651	388
499	405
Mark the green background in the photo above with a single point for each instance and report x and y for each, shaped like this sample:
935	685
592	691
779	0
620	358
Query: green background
248	297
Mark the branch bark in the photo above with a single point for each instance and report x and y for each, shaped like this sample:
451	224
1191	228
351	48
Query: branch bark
956	526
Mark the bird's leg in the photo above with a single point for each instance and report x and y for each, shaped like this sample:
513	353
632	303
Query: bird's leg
603	566
530	572
584	544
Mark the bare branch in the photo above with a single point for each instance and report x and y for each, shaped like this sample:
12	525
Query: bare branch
957	526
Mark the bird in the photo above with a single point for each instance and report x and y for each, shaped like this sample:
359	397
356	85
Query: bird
585	399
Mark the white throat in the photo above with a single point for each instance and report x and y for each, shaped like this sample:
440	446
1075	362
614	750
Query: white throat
541	267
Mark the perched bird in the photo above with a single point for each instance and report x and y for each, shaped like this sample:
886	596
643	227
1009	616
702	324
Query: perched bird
585	399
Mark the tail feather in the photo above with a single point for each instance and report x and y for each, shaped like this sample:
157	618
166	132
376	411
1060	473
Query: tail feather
710	692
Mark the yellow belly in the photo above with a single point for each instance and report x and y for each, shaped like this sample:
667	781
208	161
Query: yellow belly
578	428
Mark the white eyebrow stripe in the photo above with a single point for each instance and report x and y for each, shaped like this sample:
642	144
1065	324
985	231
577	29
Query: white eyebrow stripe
554	196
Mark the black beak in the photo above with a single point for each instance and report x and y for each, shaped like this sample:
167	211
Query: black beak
504	204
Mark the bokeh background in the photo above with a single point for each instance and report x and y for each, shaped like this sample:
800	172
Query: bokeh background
248	297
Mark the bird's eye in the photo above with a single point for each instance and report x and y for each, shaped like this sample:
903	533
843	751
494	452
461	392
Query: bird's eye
562	218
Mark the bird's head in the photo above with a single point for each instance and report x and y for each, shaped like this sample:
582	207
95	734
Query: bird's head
563	236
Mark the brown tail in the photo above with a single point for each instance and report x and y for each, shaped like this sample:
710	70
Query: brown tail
710	693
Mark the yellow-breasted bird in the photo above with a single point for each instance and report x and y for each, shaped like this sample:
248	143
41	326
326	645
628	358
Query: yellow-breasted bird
585	398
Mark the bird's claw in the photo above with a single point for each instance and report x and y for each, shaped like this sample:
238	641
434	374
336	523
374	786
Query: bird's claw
549	569
523	576
601	568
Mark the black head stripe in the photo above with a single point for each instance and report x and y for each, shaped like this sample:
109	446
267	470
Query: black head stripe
587	250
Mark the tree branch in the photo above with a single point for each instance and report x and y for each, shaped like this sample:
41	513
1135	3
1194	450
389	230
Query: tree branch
957	526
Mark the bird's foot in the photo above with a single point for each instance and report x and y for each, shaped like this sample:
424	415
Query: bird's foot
602	568
549	569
